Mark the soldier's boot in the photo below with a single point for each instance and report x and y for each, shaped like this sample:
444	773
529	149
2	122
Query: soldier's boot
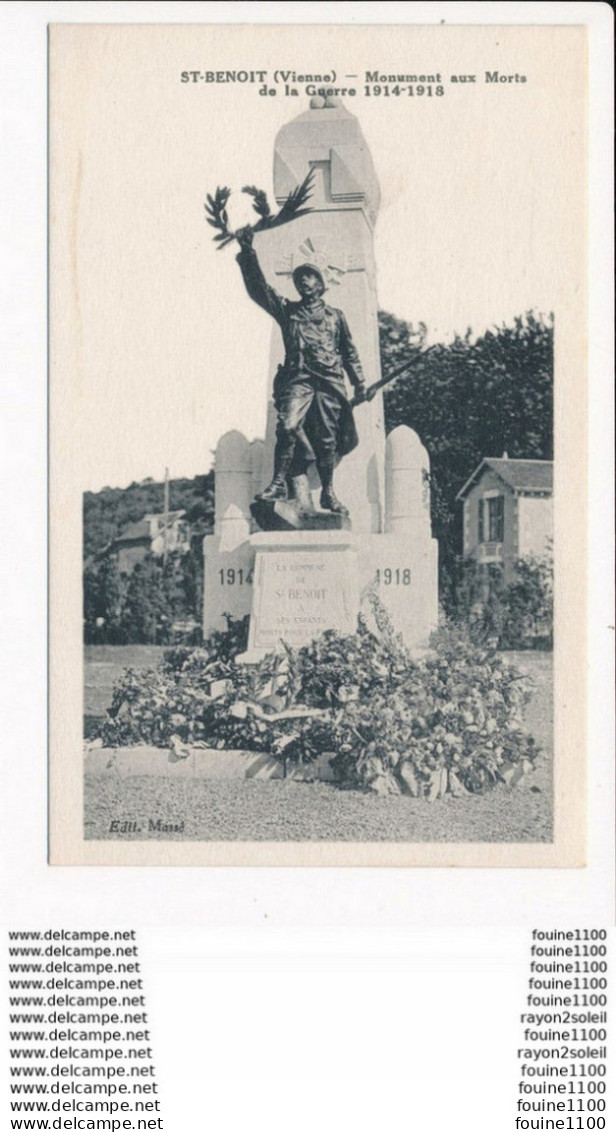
329	499
283	456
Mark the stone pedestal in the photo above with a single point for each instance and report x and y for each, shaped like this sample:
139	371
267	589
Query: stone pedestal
228	580
403	560
403	571
291	515
227	554
401	563
304	583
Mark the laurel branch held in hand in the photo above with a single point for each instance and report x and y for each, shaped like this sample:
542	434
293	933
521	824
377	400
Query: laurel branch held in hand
293	207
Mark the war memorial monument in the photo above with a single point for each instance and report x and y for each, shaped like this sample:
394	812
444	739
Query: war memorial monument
326	508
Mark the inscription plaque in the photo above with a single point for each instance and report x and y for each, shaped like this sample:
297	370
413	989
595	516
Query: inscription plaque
300	592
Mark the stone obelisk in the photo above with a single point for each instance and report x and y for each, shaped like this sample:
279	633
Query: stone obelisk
337	237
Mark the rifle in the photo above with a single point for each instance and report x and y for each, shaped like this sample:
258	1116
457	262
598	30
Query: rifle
372	390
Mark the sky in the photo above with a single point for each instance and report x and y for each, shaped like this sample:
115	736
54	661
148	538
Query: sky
160	350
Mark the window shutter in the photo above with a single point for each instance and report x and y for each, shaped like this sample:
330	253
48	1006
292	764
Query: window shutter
481	536
499	519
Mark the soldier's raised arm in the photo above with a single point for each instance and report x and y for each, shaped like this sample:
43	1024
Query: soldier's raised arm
254	280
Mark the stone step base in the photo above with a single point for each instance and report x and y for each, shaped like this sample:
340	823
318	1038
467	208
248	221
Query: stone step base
199	762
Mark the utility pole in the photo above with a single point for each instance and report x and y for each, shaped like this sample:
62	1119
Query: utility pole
165	517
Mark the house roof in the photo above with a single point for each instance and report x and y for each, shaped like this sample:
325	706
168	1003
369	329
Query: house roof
171	515
526	477
142	529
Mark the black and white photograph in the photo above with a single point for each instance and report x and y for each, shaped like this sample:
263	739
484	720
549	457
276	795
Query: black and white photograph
317	444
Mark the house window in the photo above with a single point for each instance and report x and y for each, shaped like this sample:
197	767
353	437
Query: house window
491	519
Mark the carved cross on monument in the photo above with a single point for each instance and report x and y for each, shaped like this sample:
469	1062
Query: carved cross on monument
332	265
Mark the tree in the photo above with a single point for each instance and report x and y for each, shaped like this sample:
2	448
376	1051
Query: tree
518	613
104	596
142	606
529	604
155	596
467	400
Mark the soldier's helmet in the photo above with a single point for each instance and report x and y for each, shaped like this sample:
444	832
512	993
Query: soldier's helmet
307	269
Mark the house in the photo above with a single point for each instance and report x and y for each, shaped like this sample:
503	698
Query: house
507	512
151	535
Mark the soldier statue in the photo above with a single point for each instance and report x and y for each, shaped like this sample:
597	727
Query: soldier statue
315	419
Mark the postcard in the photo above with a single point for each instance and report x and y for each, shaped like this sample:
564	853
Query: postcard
318	485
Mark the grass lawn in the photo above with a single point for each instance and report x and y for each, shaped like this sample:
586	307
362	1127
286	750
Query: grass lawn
103	665
293	811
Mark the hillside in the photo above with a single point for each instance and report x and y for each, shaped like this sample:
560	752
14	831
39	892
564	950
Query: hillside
106	513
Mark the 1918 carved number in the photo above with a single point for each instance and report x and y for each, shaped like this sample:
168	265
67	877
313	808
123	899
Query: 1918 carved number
231	577
394	577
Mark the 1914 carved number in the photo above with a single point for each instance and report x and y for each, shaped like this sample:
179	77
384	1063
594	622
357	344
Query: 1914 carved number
231	577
